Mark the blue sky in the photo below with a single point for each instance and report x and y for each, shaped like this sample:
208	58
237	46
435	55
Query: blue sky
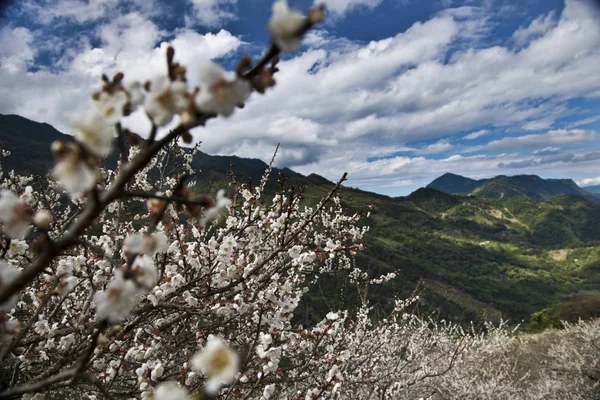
396	92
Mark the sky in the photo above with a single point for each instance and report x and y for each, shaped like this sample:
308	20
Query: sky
394	92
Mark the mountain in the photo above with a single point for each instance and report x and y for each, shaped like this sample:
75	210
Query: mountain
454	184
592	189
505	187
29	143
472	256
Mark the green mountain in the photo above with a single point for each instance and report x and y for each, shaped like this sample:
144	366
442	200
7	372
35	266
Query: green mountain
29	143
454	184
505	187
473	256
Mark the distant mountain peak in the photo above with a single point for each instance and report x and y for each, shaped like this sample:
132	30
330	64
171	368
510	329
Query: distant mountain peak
452	183
504	187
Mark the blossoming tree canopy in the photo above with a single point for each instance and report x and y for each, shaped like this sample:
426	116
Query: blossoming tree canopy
92	280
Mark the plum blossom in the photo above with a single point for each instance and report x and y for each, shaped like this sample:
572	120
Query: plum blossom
111	105
118	300
295	251
221	203
15	215
227	246
94	132
72	171
268	392
66	285
332	316
218	94
166	99
285	25
217	362
157	372
27	195
42	327
42	219
145	271
146	244
170	391
17	248
246	194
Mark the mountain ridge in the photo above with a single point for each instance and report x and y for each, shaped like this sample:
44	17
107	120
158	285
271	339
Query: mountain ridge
504	187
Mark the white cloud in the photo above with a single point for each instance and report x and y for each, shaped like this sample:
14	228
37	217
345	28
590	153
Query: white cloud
589	182
536	28
555	137
547	151
16	51
82	11
341	7
213	13
476	134
436	148
582	122
538	125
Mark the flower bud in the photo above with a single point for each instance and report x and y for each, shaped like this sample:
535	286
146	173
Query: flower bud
316	15
43	219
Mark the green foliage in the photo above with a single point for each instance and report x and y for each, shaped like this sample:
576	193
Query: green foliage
583	306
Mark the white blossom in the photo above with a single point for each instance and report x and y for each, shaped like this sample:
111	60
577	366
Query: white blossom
295	251
218	94
17	248
157	372
170	391
285	25
221	202
332	316
67	284
42	327
110	105
145	271
94	132
42	219
73	173
146	244
166	99
118	300
15	215
27	195
246	194
227	245
268	392
217	362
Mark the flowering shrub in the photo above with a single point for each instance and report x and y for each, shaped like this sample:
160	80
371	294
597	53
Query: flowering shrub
125	283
